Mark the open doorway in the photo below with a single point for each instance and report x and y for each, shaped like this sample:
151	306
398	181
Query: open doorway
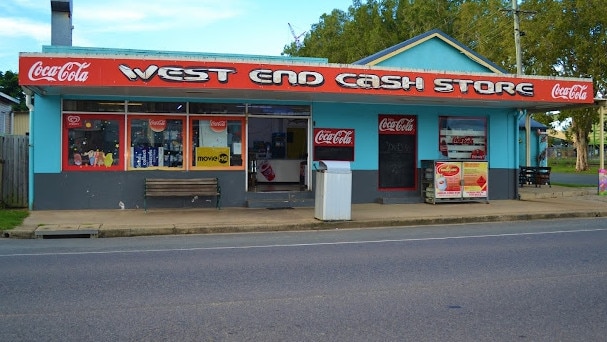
278	154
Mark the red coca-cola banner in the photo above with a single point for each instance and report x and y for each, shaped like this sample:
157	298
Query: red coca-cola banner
334	144
333	137
79	71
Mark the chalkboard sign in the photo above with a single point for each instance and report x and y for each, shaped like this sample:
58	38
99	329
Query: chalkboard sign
397	161
333	153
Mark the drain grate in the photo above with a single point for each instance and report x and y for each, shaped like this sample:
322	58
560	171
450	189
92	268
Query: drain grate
66	234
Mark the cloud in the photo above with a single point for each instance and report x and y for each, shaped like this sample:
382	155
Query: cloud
25	28
152	15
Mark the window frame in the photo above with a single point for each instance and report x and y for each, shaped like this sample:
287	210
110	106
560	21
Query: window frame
184	146
243	141
65	145
479	153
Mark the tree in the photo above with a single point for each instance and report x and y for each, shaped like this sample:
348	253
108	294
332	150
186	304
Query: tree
9	84
569	38
566	38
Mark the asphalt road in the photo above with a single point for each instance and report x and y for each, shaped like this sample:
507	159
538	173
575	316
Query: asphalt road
574	179
535	281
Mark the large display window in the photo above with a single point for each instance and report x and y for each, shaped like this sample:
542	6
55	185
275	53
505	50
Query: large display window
156	142
92	142
463	137
217	142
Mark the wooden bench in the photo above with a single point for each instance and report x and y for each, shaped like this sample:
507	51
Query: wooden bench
164	187
537	175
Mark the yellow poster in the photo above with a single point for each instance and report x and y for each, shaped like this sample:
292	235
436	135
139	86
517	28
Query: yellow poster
213	156
475	179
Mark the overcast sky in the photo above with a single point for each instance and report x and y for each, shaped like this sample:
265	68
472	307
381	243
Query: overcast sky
258	27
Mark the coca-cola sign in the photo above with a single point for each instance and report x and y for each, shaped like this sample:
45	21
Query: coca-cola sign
68	72
158	125
218	125
397	124
575	92
466	140
333	137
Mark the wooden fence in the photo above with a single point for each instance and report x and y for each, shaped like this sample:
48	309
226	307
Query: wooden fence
14	169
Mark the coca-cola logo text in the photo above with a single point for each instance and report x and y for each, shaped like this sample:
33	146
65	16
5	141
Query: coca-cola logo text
575	92
68	72
158	125
334	137
463	140
218	125
397	125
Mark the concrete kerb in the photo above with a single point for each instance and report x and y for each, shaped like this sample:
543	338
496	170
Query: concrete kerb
328	225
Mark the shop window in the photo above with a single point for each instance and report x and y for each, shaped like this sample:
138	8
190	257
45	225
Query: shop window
217	142
217	108
156	107
290	110
93	106
92	142
155	142
463	137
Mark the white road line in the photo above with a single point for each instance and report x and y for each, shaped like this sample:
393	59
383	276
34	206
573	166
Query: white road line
308	244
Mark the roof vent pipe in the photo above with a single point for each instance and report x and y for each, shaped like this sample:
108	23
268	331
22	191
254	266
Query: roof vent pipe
61	22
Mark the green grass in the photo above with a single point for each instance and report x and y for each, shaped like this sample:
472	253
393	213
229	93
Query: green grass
567	165
11	218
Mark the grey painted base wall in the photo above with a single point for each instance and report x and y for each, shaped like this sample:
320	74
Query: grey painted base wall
106	190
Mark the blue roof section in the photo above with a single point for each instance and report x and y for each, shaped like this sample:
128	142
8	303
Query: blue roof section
92	51
533	124
433	50
5	98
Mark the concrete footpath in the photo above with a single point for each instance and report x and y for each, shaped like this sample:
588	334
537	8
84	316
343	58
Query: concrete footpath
535	203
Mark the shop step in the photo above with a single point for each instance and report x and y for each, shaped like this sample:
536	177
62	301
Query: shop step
286	199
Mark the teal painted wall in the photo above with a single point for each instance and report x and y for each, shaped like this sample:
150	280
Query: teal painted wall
47	138
434	54
363	119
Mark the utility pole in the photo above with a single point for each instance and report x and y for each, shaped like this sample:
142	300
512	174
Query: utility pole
517	38
519	71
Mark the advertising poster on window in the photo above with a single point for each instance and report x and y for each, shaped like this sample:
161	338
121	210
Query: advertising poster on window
397	151
212	156
144	157
463	138
475	179
334	144
213	133
447	178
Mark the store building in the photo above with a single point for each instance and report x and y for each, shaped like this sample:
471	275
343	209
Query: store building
105	119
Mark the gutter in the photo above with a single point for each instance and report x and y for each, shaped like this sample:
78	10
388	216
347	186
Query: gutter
30	189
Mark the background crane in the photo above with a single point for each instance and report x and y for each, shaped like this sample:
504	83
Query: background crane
297	41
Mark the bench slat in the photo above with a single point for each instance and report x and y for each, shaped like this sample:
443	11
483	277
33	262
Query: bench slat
182	187
538	175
